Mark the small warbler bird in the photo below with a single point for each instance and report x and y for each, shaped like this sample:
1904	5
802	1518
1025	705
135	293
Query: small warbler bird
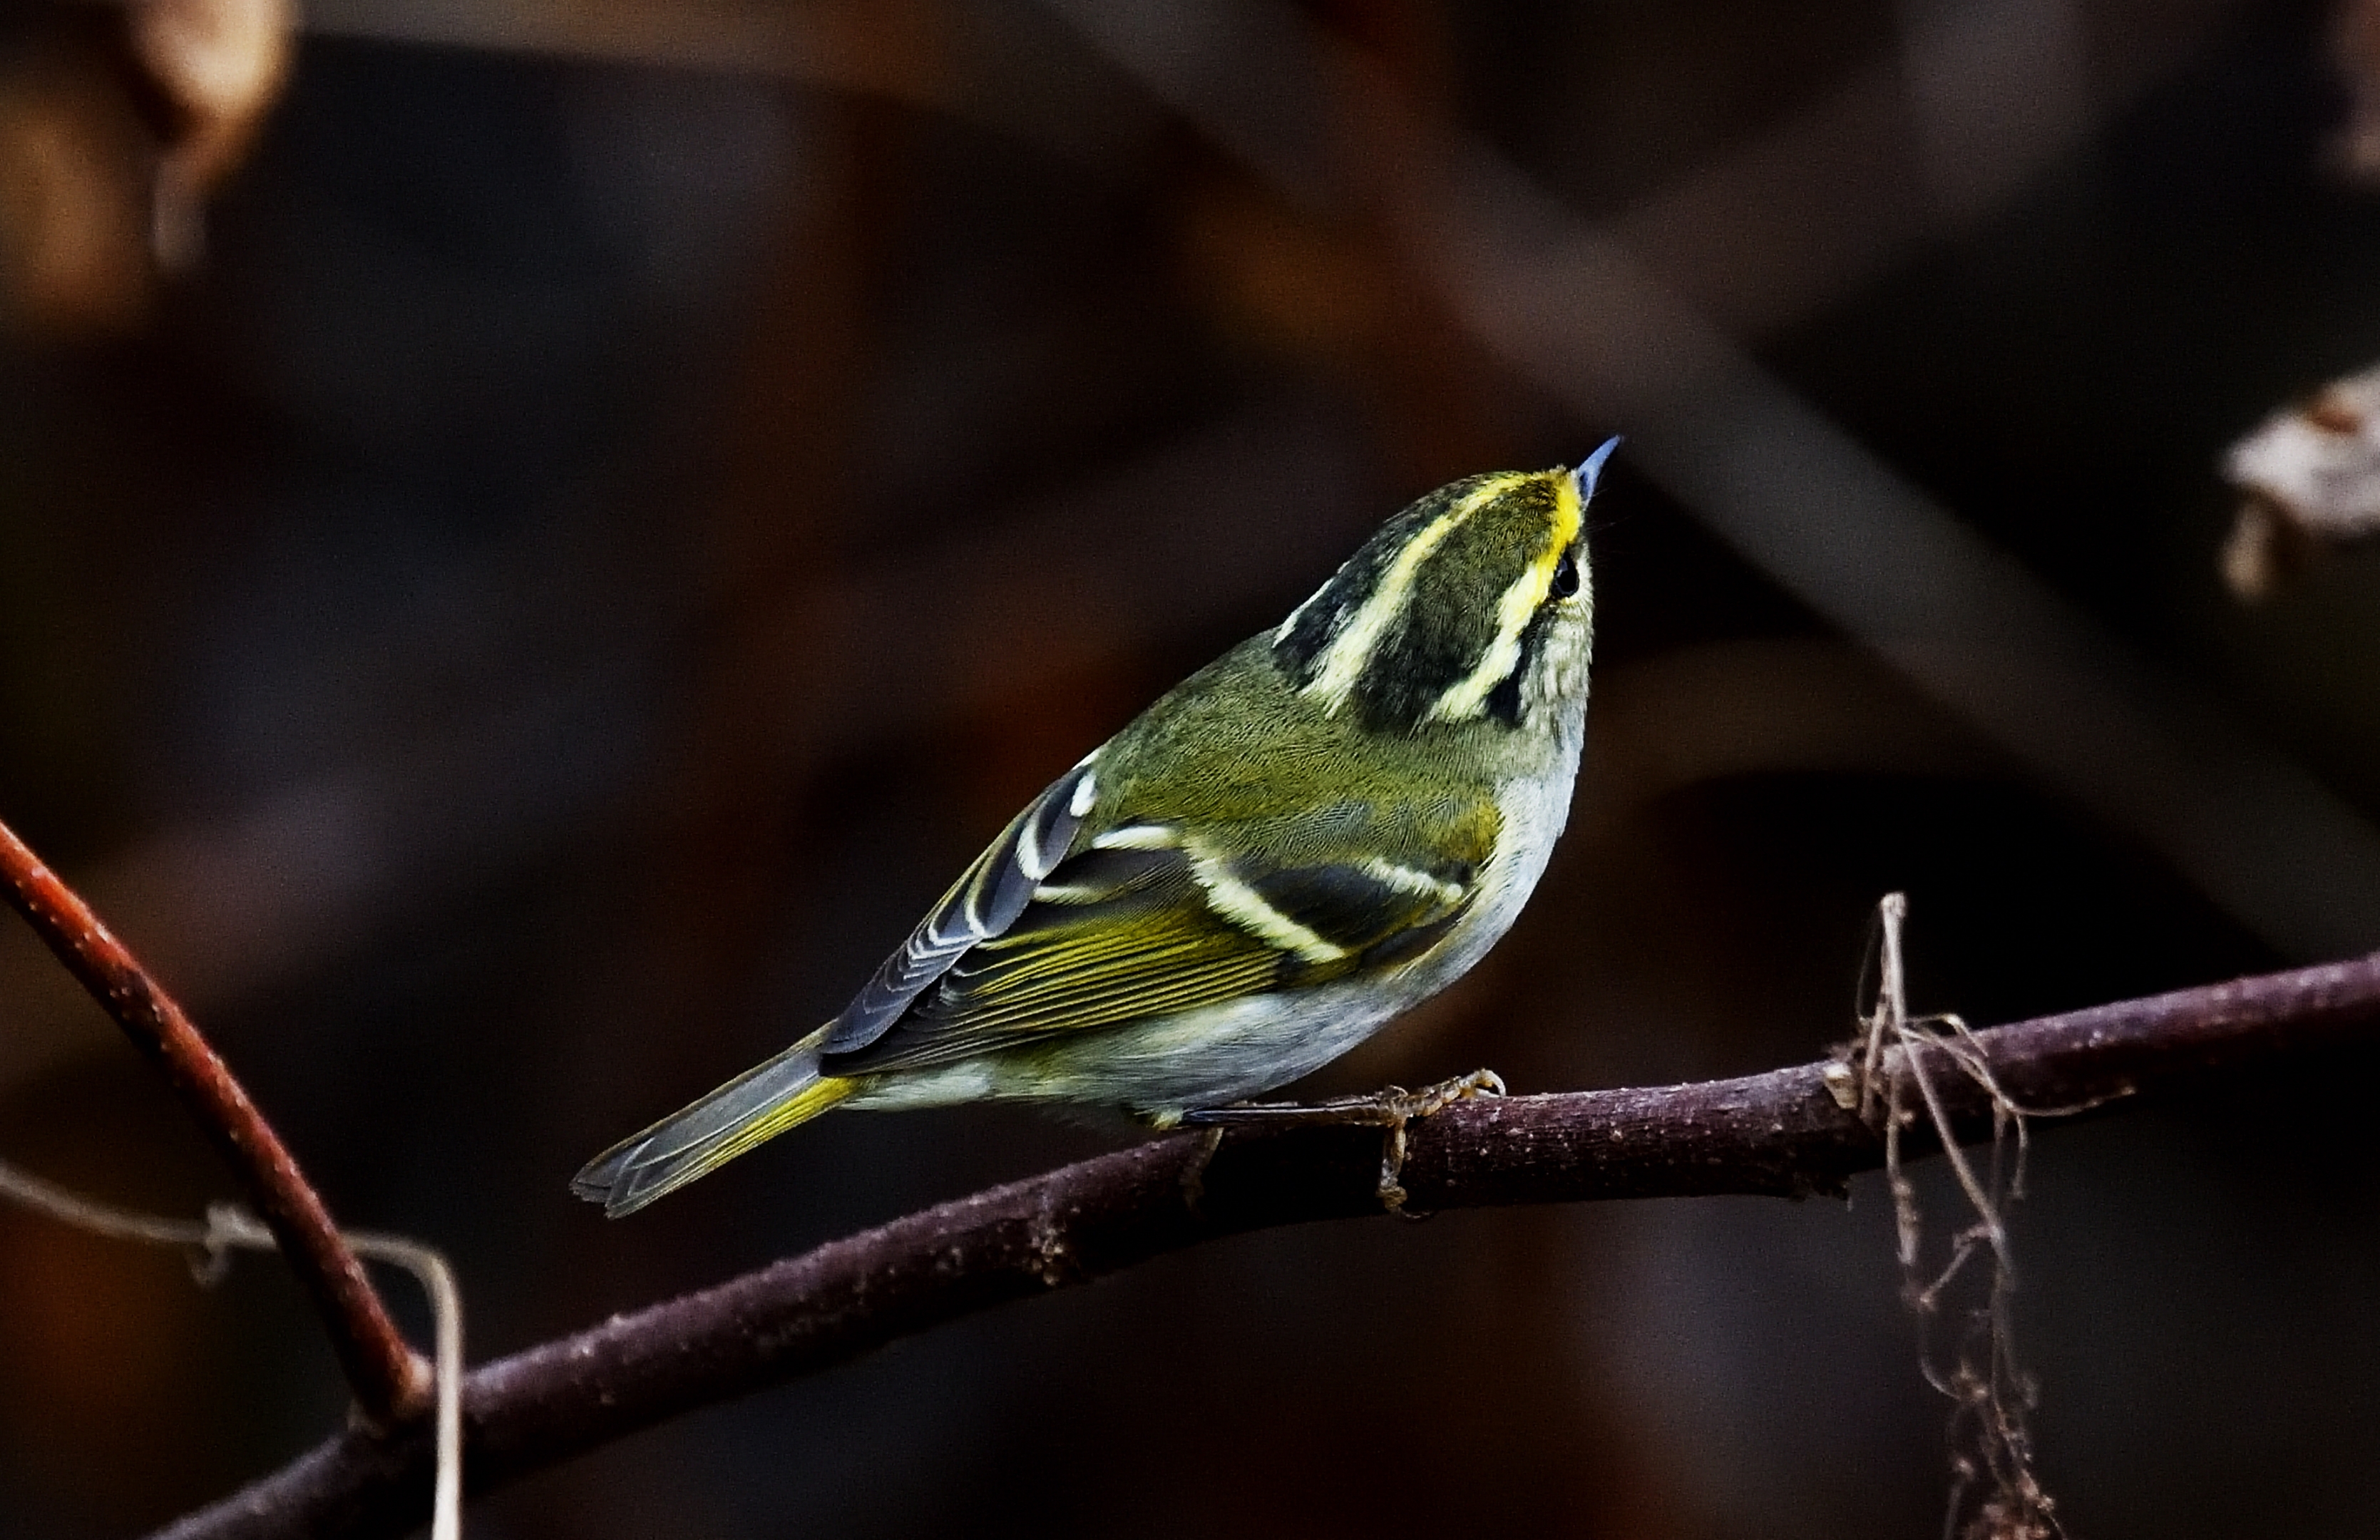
1318	831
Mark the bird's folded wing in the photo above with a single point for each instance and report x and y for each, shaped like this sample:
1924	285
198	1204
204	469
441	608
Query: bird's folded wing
1149	918
984	901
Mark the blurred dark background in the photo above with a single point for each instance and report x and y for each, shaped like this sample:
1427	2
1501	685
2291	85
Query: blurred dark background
533	542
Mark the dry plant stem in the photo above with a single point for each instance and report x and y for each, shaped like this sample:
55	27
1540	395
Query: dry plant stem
391	1381
1781	1134
227	1227
1994	1493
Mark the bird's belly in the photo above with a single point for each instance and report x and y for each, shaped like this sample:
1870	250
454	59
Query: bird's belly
1160	1065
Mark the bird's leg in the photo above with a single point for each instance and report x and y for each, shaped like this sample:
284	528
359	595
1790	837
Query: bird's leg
1390	1110
1193	1171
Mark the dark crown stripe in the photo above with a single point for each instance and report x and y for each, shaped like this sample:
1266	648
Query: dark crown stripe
1301	644
1452	623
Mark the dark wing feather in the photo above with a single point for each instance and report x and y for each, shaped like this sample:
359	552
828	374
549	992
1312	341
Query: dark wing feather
986	901
1119	934
1349	906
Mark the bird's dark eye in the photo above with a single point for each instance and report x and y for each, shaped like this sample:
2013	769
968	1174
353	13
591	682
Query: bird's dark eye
1565	581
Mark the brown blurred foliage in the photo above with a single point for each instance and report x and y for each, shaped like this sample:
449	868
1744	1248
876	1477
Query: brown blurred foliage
116	124
627	498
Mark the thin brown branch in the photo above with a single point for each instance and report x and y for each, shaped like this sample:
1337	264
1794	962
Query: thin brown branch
1782	1133
391	1381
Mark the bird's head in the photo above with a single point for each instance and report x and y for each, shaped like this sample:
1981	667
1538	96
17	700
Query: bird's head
1473	605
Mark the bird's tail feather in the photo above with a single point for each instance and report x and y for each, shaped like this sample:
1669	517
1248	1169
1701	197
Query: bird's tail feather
758	1105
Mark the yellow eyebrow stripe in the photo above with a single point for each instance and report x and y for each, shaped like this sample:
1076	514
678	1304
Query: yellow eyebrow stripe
1352	649
1467	696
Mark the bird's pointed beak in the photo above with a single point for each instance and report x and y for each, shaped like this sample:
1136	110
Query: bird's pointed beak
1590	470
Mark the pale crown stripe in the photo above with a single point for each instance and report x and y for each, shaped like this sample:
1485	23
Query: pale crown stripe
1359	635
1281	633
1467	696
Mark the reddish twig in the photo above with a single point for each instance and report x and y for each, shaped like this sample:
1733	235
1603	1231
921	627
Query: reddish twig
1782	1133
391	1382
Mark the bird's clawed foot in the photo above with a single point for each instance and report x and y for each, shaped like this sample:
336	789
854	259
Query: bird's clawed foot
1391	1109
